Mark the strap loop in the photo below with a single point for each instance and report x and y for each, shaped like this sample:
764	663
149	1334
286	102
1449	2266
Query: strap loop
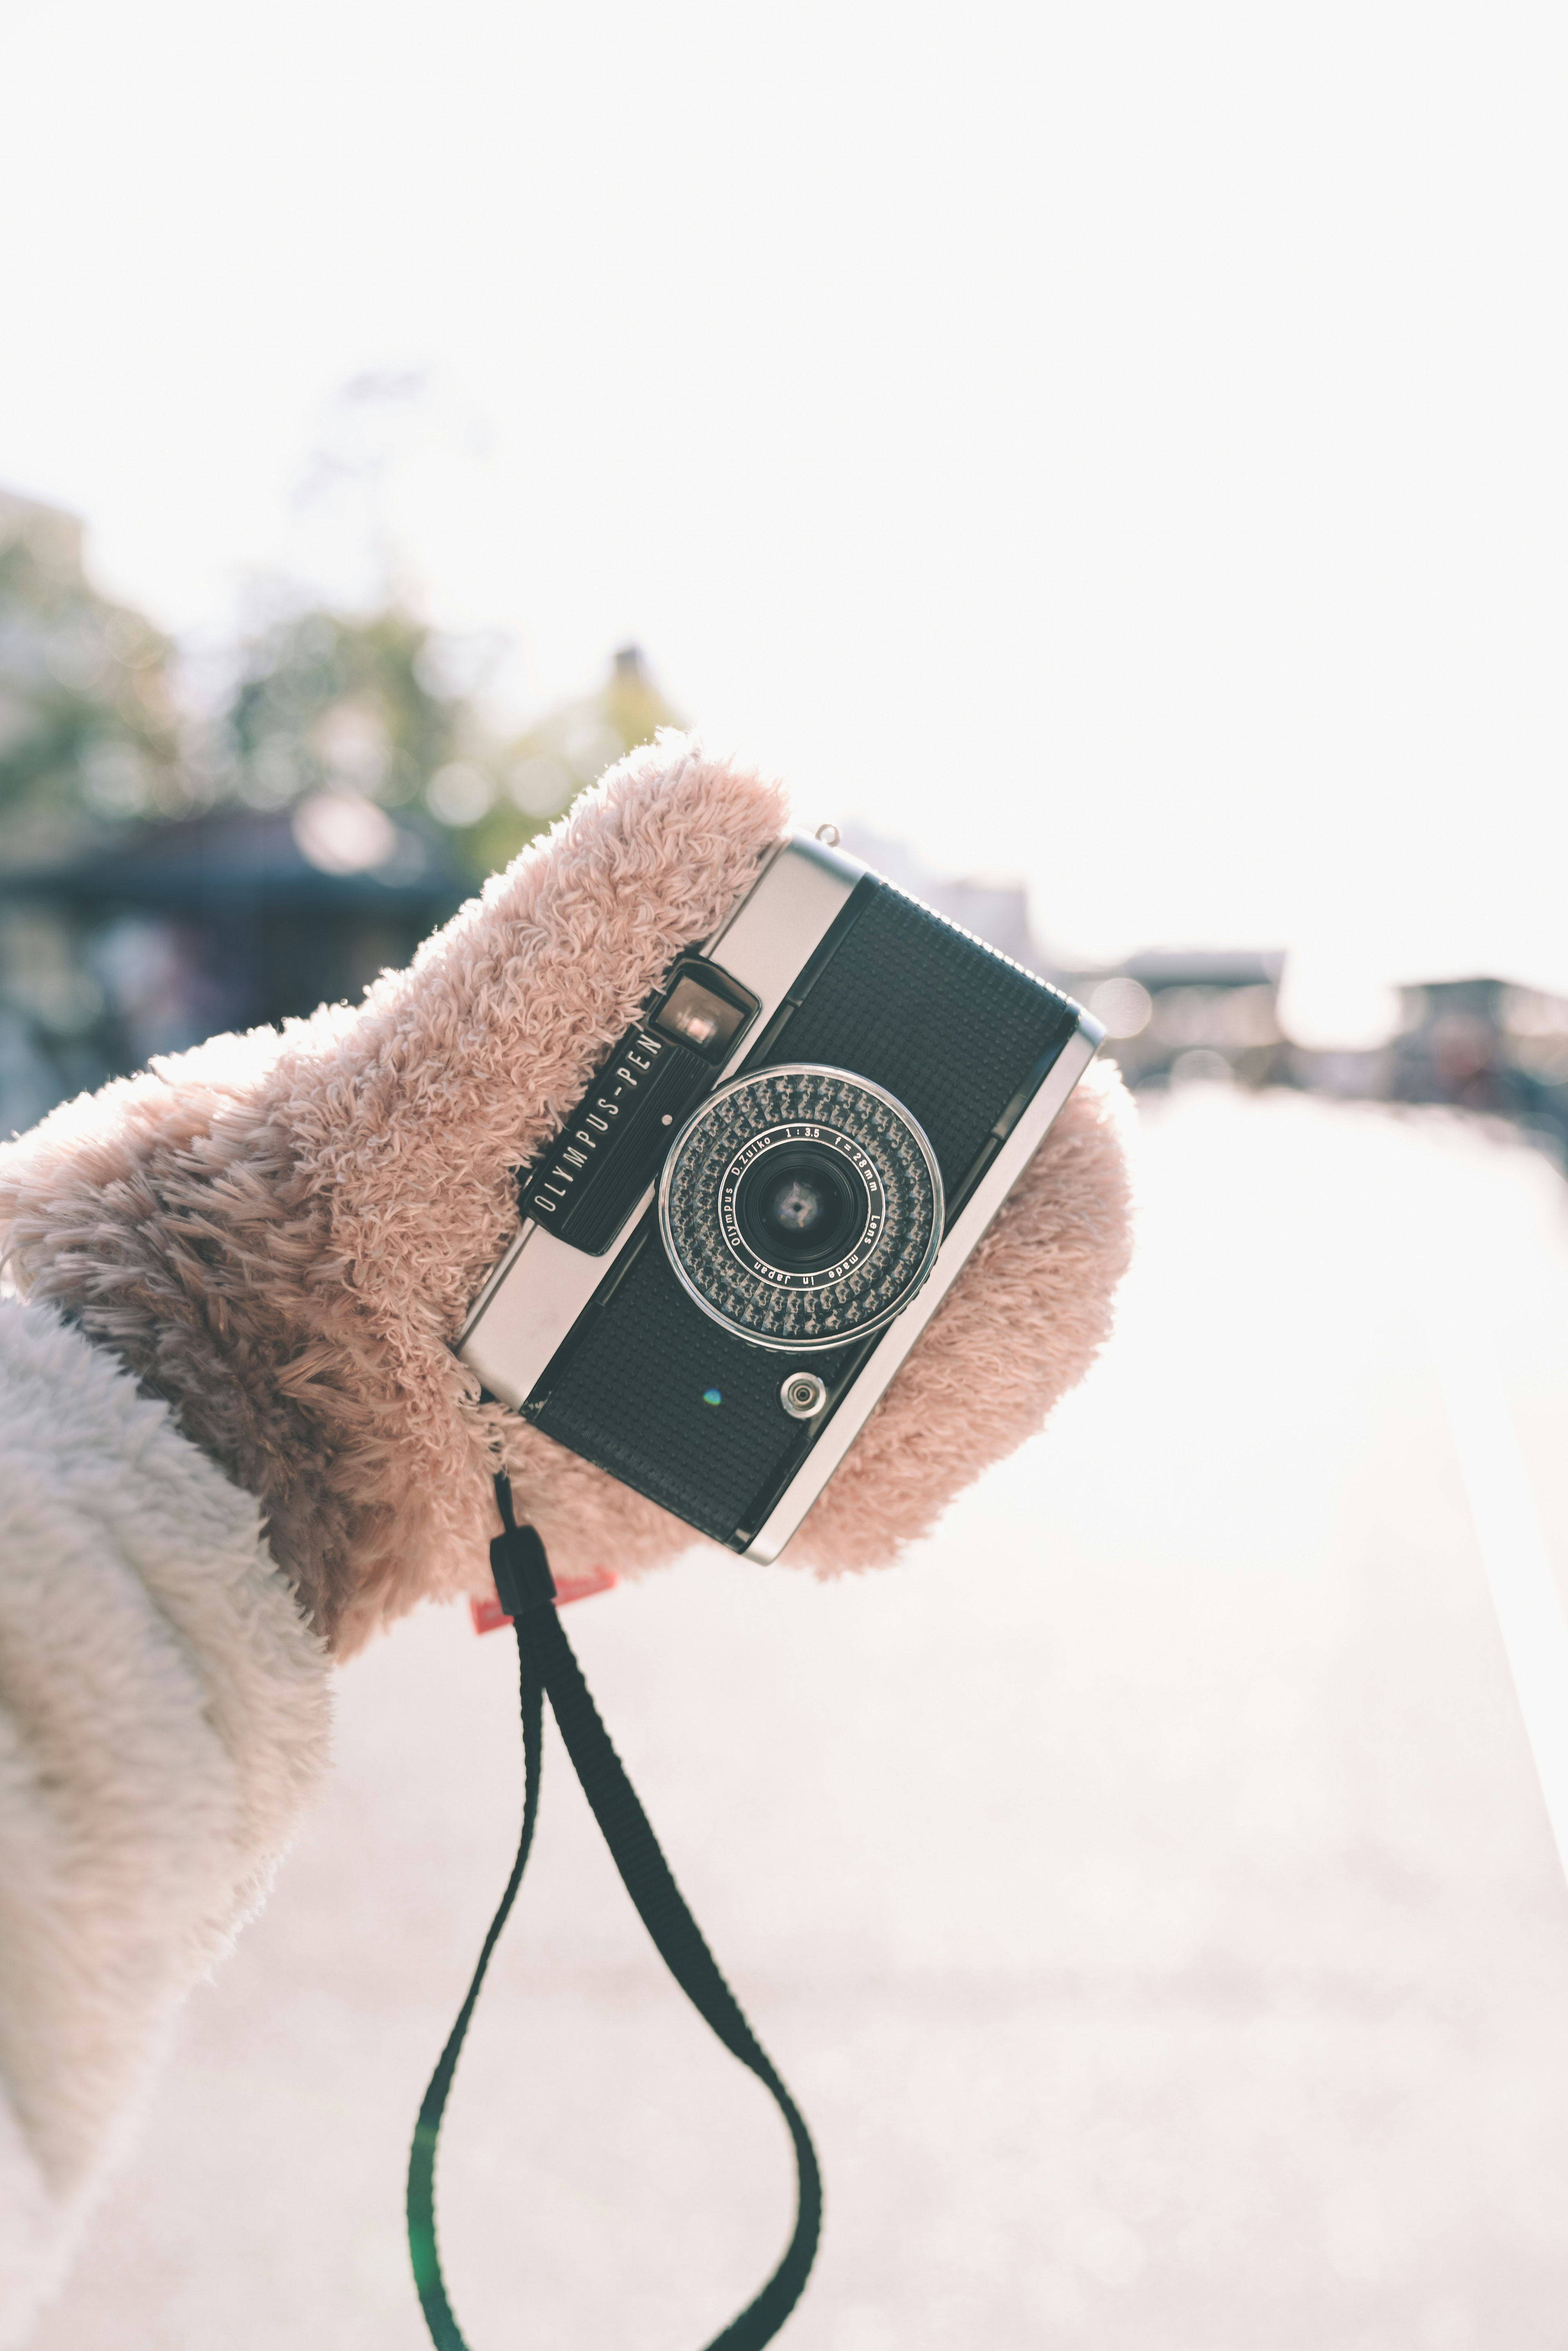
523	1580
547	1664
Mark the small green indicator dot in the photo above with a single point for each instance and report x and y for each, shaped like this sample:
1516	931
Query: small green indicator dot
712	1395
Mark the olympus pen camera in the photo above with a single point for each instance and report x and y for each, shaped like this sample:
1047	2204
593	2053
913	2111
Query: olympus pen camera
766	1192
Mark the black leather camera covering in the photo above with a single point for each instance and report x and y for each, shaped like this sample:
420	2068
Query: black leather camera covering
953	1032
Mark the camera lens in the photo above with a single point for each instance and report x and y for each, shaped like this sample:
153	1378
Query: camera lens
798	1211
800	1207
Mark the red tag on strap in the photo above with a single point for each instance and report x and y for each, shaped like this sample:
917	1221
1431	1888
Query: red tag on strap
489	1615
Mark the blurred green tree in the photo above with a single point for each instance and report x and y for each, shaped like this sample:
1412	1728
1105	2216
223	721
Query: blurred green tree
377	705
89	724
327	701
540	773
384	707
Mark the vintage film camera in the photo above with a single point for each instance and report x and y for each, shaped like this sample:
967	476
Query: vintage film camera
766	1192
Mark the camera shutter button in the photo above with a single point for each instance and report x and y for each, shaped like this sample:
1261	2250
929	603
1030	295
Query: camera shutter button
802	1396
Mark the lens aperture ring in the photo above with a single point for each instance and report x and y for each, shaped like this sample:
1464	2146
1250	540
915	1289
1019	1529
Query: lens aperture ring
853	1160
798	1140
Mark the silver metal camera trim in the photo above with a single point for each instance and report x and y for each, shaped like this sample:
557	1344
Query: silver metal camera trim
862	1085
541	1286
957	1247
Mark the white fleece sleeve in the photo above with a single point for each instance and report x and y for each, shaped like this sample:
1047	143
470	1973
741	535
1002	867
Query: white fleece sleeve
164	1714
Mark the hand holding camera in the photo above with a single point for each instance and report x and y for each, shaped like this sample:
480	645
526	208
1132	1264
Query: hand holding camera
691	1177
283	1235
764	1194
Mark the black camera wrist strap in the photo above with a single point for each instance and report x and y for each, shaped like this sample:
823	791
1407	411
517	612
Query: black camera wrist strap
546	1666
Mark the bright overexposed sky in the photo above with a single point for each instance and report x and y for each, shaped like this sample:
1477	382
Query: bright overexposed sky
1124	445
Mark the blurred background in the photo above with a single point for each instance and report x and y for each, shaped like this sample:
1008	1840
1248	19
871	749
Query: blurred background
1111	462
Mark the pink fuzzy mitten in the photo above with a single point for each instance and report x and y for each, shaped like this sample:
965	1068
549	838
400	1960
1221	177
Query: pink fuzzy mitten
243	1273
279	1233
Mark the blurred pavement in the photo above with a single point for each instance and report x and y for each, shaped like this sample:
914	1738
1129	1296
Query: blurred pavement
1145	1888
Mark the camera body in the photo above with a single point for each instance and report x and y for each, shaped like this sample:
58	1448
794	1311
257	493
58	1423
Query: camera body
766	1191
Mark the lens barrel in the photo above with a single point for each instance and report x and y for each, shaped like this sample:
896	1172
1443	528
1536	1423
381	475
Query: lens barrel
800	1207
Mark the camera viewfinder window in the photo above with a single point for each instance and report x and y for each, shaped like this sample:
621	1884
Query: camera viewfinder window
694	1015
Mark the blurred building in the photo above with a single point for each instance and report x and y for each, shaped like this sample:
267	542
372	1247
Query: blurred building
1486	1045
1173	1016
172	867
165	876
174	933
1170	1013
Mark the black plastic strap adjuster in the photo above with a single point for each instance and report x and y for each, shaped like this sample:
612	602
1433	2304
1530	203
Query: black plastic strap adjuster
523	1580
517	1562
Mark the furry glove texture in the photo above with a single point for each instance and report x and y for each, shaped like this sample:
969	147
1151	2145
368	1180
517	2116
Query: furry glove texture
280	1234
